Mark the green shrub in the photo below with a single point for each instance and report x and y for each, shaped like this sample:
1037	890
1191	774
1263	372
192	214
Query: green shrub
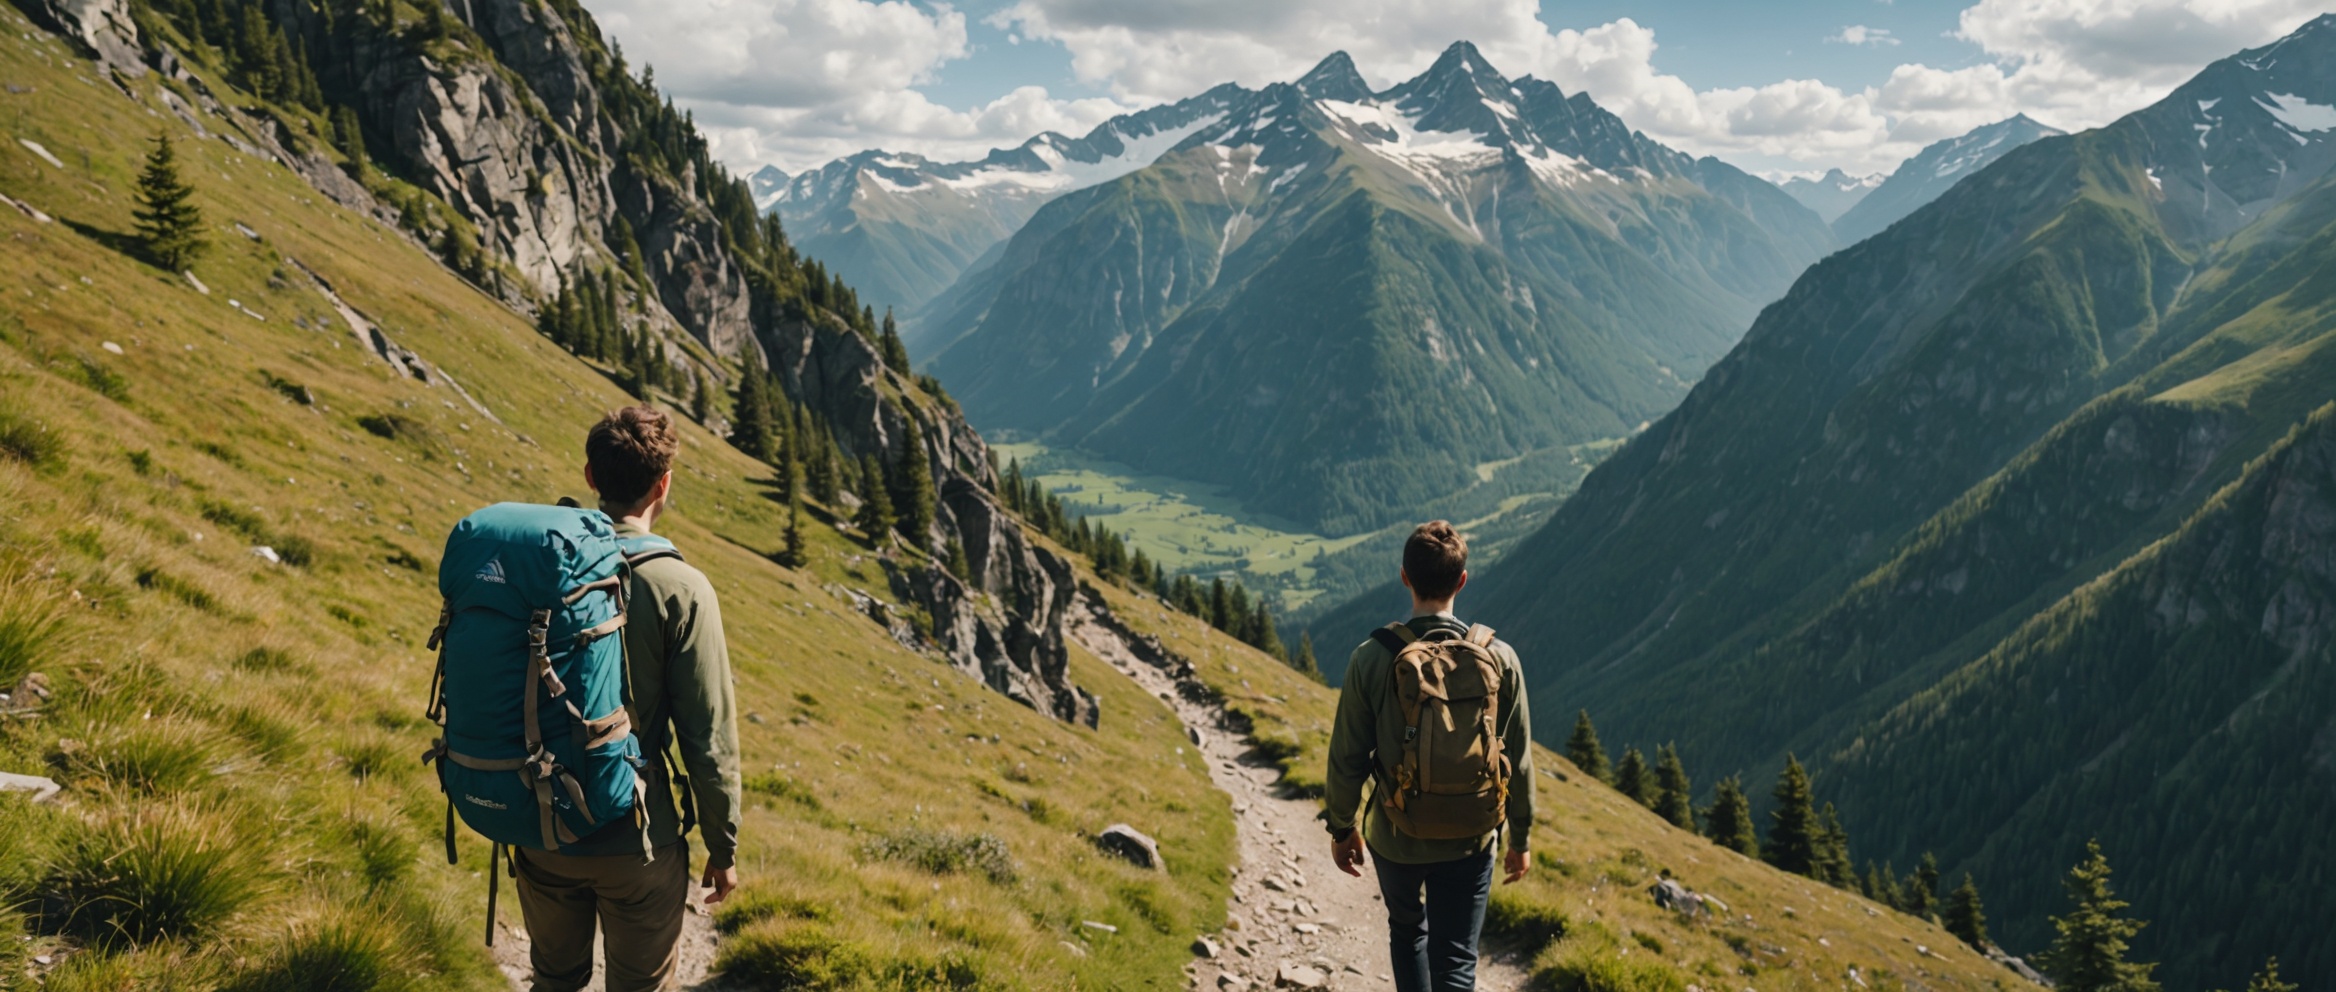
220	451
395	427
778	786
29	441
294	550
378	756
34	623
744	909
345	953
266	659
236	519
1591	960
101	380
177	588
142	462
1521	922
944	853
792	957
147	873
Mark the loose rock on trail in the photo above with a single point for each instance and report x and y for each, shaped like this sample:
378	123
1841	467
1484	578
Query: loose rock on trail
1296	920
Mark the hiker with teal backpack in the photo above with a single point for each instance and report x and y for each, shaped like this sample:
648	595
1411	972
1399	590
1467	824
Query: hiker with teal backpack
580	660
1432	718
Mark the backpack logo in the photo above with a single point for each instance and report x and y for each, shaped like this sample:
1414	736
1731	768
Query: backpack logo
493	572
488	803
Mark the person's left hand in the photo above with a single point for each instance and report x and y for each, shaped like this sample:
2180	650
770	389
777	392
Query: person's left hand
1347	853
721	880
1515	863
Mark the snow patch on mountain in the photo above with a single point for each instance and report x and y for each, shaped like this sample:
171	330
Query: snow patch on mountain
2298	113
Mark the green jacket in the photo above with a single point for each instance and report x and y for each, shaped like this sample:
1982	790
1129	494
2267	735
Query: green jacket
682	698
1368	713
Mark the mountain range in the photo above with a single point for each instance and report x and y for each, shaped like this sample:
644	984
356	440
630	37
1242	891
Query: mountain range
2014	519
1831	194
1930	173
1347	304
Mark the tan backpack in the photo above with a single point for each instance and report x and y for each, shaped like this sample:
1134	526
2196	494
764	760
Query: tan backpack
1450	779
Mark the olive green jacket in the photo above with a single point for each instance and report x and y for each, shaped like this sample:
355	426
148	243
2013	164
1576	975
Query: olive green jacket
679	668
1369	713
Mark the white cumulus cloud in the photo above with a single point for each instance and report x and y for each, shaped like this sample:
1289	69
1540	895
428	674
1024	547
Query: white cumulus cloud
1859	34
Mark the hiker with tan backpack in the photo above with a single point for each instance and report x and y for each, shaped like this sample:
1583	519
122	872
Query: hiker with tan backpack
1432	716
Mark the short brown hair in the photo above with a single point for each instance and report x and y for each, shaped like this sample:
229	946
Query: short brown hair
629	450
1434	559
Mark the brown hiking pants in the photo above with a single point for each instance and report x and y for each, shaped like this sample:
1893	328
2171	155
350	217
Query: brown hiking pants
637	908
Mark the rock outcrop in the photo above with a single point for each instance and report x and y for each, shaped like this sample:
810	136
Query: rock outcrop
102	28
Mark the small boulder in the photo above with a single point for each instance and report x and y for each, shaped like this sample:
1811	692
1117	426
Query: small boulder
1299	976
1675	897
42	789
1129	843
1205	947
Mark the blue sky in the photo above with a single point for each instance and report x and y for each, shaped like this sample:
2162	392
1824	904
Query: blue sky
1775	87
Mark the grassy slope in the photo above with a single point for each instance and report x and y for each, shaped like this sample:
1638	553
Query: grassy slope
314	745
1597	852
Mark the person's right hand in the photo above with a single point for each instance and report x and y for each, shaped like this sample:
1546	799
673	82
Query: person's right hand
721	881
1347	853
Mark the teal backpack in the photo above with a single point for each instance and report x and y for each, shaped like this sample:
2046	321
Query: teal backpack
531	691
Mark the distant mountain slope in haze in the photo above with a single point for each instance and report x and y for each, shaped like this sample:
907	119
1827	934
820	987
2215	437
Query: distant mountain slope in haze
902	227
1831	194
1946	522
1932	172
1341	303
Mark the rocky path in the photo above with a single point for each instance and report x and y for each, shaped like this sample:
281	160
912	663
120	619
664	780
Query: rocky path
1296	920
697	946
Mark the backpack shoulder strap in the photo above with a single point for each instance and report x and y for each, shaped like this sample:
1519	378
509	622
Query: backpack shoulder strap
1394	637
647	548
1480	635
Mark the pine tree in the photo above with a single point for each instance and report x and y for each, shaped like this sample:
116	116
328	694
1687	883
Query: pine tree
2088	953
170	226
1220	607
1674	795
1964	917
957	563
701	407
1831	863
823	470
913	480
1268	640
790	469
2268	979
751	428
1729	820
349	137
1634	778
1305	662
1010	487
1792	827
895	350
1922	891
793	555
1587	754
875	517
1881	884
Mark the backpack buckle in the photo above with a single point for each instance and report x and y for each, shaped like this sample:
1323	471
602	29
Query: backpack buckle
1410	734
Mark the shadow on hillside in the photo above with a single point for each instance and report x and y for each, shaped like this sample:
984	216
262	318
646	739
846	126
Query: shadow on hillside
127	244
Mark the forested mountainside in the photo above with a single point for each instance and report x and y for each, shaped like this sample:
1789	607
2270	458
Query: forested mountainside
901	228
1350	306
1930	173
2012	519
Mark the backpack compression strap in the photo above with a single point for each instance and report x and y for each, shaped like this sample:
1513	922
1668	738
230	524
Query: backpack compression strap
1393	637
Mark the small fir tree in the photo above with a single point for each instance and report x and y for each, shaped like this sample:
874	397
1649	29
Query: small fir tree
701	407
2088	951
751	428
793	554
2268	979
1881	884
1674	795
957	563
1268	640
1220	604
1305	662
895	350
876	518
1830	862
170	226
1585	751
1792	825
1729	820
1922	891
1634	778
913	483
1964	917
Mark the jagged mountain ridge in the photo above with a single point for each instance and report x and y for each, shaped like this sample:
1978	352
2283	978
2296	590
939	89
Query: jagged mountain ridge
1326	259
1921	482
1930	173
1831	194
903	227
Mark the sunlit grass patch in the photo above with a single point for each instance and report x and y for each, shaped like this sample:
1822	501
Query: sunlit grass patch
944	853
144	873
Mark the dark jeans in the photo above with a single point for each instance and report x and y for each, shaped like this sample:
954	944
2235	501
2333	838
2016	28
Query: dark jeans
1433	946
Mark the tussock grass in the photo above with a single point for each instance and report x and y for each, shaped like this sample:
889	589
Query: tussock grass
166	754
801	955
358	950
34	623
944	853
30	441
1525	925
146	872
1591	959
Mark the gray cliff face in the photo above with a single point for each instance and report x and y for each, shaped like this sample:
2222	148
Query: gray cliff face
1005	626
530	157
102	28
